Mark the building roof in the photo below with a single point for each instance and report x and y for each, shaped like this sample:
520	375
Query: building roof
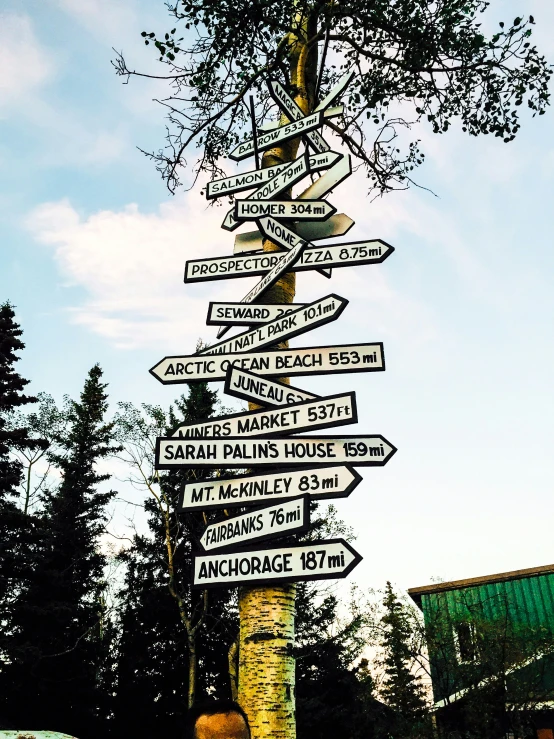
441	587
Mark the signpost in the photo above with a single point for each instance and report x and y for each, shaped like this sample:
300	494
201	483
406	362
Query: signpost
286	518
316	360
321	482
287	470
319	560
360	451
322	413
297	322
256	389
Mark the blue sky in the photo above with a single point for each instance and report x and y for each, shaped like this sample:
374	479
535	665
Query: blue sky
93	251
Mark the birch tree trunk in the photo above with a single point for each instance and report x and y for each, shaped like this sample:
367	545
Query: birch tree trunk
266	689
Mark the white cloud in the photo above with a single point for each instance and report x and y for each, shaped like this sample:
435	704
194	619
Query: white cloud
25	64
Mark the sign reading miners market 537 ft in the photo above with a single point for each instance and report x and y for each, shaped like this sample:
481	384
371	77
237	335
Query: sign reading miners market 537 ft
287	469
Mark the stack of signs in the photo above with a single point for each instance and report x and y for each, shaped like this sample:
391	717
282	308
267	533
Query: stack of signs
287	468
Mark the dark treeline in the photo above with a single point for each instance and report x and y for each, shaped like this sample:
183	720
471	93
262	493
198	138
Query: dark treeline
101	637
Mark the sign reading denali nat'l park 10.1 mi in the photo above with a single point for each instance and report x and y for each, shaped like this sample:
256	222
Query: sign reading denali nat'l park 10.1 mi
317	360
360	451
318	560
287	470
323	481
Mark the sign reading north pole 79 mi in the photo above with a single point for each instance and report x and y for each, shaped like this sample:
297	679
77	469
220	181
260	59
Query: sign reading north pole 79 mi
360	451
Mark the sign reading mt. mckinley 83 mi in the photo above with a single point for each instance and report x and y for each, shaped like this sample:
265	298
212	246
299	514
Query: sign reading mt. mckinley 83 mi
360	451
323	481
316	360
318	560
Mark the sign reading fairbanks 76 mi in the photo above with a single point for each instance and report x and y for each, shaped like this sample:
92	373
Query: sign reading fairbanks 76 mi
323	481
318	560
316	360
286	518
323	413
360	451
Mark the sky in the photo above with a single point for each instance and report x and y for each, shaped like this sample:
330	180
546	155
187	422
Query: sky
93	249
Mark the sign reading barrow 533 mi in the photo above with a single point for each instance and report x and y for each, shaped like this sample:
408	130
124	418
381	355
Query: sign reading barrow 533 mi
268	140
319	560
316	360
360	451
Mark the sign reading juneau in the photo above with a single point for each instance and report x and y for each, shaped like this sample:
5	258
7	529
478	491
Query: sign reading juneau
286	470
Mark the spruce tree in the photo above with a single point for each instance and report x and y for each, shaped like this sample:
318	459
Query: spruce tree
154	650
60	650
402	689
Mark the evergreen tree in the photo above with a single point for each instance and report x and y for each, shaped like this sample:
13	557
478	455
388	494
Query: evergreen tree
165	627
60	647
402	689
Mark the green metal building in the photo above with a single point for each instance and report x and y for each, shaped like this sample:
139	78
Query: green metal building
491	653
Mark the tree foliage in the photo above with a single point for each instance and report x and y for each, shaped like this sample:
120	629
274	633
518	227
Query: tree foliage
415	61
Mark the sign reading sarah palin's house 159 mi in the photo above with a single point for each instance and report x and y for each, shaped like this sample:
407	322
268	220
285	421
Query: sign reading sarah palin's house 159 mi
318	560
316	360
360	451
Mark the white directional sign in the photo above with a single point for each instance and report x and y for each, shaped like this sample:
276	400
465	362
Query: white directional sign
316	360
308	415
278	136
286	518
256	389
321	482
336	225
351	254
283	180
337	90
307	210
359	451
282	235
327	182
318	560
283	265
298	322
239	314
257	177
295	112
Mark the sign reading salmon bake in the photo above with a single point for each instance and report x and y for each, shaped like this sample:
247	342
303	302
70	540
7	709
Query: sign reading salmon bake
285	468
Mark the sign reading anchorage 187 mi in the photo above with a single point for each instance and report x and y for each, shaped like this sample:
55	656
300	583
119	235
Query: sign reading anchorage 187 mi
287	470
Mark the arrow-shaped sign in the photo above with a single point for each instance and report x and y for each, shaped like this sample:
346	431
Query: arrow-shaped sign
283	180
295	113
337	90
327	182
309	415
257	177
360	451
350	254
303	319
306	210
256	389
239	314
268	140
318	560
321	482
315	360
284	519
337	225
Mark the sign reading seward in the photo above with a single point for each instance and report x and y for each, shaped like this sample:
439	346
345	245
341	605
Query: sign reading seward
319	560
360	451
